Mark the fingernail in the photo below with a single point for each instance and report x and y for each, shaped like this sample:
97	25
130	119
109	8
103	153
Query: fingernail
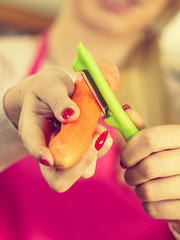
125	107
121	164
100	141
67	113
44	161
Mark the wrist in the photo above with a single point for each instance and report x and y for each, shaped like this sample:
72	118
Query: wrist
12	106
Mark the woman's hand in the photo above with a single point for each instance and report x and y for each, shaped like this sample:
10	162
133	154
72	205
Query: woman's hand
36	107
61	180
152	159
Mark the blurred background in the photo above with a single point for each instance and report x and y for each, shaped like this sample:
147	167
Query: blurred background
27	16
33	16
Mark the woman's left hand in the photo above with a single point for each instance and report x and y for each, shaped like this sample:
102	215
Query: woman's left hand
152	159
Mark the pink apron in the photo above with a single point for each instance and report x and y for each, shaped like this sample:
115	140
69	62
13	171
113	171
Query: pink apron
99	208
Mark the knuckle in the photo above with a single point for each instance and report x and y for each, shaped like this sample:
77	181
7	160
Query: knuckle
146	168
147	139
145	192
128	178
150	209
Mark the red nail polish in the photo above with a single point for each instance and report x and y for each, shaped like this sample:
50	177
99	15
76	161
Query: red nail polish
100	141
44	161
125	107
67	113
121	164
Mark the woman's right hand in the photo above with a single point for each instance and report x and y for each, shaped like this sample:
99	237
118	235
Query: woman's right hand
37	106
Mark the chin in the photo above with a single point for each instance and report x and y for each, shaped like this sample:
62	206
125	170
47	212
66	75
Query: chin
119	17
98	17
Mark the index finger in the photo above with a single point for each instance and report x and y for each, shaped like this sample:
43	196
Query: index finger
148	141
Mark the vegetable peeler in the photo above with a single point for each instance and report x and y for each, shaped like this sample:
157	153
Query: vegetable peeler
113	113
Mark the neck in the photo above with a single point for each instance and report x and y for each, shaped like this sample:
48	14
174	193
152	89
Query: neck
68	30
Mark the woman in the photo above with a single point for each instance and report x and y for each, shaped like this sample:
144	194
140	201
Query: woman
113	30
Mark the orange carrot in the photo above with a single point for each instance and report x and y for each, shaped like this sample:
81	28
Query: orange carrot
74	138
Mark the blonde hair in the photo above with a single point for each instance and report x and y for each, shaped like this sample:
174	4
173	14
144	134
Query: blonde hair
141	84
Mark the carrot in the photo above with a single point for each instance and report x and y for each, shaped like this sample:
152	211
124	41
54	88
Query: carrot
74	138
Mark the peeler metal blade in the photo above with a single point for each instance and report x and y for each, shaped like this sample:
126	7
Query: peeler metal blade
95	91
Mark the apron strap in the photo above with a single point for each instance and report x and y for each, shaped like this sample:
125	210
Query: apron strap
40	55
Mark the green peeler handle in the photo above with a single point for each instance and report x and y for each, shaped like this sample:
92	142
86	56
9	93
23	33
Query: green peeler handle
116	117
122	122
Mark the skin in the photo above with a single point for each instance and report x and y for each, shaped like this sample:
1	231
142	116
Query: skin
27	105
157	187
152	161
120	24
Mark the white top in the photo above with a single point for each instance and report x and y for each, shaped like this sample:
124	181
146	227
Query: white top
15	52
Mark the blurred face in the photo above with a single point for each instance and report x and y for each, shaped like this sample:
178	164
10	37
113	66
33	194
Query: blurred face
119	17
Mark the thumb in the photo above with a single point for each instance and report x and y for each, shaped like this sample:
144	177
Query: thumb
57	96
134	116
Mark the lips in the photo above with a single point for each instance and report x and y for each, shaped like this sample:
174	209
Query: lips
118	5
